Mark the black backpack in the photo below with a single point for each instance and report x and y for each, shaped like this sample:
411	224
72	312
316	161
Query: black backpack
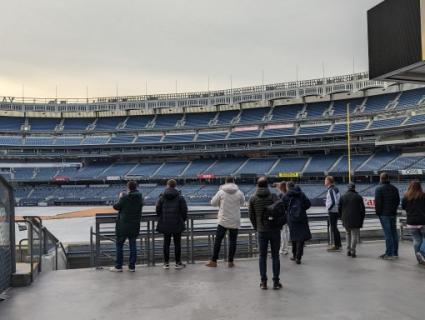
274	216
296	211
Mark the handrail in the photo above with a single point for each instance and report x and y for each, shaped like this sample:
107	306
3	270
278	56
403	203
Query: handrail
35	225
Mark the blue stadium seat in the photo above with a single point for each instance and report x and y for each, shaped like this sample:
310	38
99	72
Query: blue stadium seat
281	132
354	126
387	123
319	129
377	161
286	113
43	124
122	139
144	170
108	124
316	110
340	106
138	122
212	136
77	124
117	170
45	174
167	120
420	118
199	119
225	167
320	164
356	162
178	138
380	102
226	117
39	141
11	140
171	169
253	115
244	134
95	140
403	162
257	166
68	140
289	165
197	167
148	139
410	98
91	171
11	123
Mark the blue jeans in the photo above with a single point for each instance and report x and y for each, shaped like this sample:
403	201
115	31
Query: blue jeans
389	225
418	240
120	252
264	238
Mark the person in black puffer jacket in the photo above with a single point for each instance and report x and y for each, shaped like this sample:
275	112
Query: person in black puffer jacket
171	210
267	233
296	205
128	225
352	211
414	204
387	201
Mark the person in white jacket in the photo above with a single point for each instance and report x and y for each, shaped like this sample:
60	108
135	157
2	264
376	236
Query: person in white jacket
229	200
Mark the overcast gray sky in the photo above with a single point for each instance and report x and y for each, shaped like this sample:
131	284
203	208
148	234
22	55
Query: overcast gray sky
72	44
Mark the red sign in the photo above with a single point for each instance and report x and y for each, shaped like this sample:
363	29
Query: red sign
60	179
369	202
206	176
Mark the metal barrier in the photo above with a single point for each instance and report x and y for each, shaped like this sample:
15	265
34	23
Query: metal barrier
198	237
40	242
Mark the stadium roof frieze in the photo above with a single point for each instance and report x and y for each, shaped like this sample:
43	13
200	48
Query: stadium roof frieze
286	90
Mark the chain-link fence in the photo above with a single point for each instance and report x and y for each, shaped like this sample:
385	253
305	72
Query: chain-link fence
7	234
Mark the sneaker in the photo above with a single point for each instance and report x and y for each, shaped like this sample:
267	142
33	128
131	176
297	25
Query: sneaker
385	257
284	252
353	255
231	265
421	258
211	264
179	266
166	266
132	269
263	285
292	258
277	286
348	253
115	269
298	261
334	249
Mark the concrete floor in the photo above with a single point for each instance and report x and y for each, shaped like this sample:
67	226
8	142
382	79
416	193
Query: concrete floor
326	286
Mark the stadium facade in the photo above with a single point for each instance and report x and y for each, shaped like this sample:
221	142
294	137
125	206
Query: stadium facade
80	150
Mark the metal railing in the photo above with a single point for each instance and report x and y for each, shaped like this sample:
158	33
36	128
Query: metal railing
40	241
198	238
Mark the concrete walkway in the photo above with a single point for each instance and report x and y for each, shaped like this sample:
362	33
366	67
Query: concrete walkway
326	286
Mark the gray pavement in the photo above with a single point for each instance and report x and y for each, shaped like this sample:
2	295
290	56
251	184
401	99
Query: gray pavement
325	286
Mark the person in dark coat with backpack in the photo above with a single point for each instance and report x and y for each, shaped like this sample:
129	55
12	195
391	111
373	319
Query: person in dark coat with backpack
296	205
128	225
352	211
171	209
267	232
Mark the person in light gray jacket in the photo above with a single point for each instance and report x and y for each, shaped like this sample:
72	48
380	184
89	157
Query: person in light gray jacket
229	200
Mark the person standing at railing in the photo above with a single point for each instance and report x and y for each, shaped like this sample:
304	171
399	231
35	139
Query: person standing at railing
387	201
414	204
352	211
296	204
332	201
171	210
129	208
267	231
229	200
284	234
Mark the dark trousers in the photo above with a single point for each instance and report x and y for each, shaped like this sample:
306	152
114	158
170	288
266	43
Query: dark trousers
264	238
120	252
177	237
333	221
297	249
233	237
389	225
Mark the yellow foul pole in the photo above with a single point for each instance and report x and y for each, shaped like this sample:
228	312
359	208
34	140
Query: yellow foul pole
349	143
